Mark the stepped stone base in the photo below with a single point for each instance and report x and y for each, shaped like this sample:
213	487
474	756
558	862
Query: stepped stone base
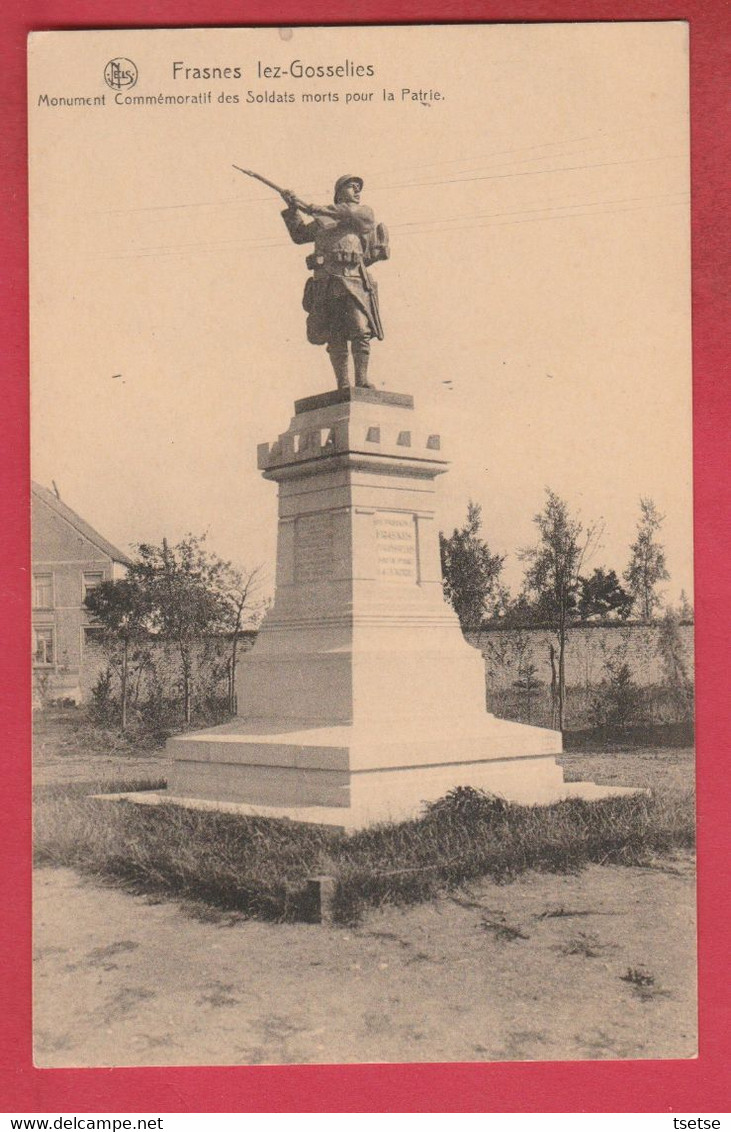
352	777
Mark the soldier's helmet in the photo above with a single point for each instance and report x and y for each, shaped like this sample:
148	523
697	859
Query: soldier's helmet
343	181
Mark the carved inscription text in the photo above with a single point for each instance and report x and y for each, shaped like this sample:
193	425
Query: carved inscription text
396	547
313	548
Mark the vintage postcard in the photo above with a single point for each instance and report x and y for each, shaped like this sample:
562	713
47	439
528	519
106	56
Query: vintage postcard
362	544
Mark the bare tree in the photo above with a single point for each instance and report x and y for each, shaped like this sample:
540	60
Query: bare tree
552	578
244	605
647	566
685	607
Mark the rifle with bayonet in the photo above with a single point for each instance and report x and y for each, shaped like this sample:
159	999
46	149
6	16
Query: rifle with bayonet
291	198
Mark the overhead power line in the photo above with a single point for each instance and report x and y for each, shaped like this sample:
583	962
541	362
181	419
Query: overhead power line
425	226
242	202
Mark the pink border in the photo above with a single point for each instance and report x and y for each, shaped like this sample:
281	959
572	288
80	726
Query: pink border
544	1087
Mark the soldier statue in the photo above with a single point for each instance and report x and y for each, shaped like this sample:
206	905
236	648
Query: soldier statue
341	298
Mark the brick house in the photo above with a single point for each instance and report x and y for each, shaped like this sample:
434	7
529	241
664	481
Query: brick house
68	559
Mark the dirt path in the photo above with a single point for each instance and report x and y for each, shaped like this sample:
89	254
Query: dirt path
532	970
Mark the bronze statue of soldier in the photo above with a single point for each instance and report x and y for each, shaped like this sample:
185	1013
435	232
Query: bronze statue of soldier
341	298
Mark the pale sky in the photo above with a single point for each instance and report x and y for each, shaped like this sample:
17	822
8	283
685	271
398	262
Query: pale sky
536	303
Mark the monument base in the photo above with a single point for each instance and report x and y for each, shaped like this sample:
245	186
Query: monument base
353	777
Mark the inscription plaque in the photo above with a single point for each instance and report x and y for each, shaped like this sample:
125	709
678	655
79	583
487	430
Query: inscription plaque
396	547
313	548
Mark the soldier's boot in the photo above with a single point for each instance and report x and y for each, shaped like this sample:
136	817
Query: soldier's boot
361	357
339	361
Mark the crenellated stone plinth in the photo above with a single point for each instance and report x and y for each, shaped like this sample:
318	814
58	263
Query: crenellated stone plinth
361	698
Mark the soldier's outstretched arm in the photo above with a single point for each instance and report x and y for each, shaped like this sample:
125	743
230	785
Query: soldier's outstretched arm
301	231
359	216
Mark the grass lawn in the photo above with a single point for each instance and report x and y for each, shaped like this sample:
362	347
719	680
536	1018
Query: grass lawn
660	769
68	749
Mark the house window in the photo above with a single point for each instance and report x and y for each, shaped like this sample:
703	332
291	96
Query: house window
93	635
91	581
43	653
43	591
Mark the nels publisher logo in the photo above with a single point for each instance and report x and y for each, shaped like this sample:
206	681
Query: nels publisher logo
120	74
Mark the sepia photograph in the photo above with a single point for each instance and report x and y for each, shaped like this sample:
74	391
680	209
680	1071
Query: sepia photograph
362	545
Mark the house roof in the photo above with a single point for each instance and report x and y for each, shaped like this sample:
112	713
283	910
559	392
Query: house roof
79	524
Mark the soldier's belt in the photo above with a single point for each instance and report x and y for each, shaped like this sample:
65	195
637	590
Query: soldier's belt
343	259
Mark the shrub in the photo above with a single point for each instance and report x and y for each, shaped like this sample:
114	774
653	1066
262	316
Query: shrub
466	803
619	700
103	708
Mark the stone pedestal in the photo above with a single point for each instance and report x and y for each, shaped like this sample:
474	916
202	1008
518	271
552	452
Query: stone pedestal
361	698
